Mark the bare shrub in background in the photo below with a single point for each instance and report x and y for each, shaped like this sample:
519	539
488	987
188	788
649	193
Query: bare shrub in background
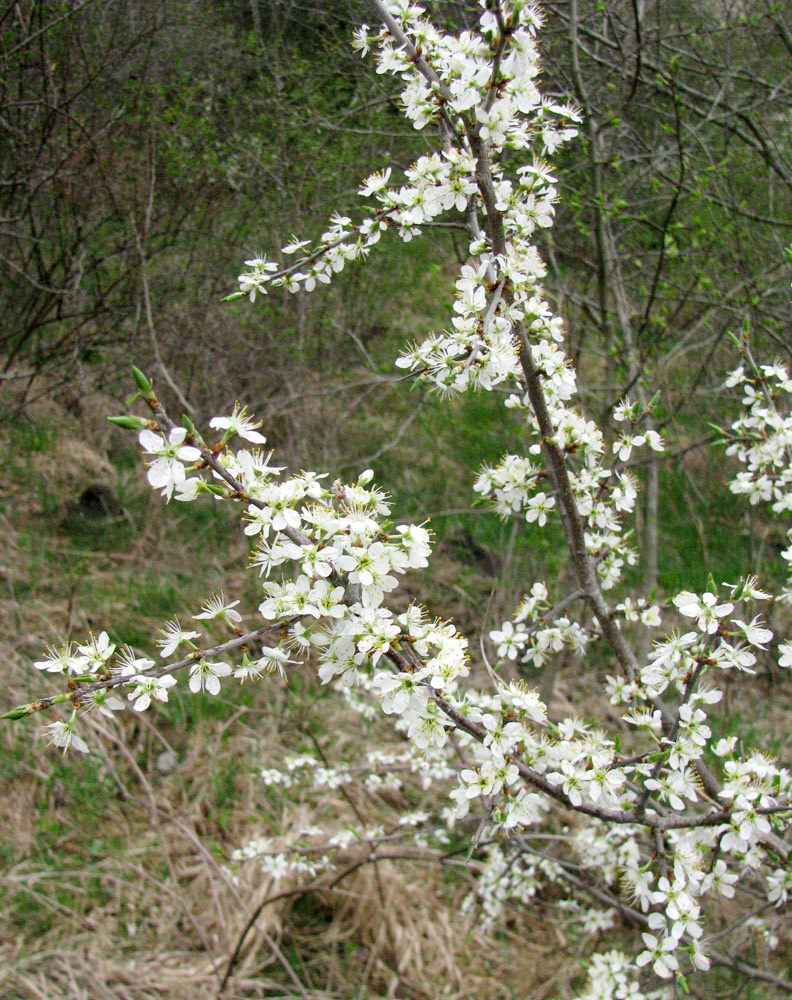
647	822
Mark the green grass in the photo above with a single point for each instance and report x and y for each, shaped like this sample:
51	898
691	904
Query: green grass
702	530
115	574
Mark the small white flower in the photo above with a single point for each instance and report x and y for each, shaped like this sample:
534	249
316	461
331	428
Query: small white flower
129	664
166	471
62	734
724	746
538	508
705	608
375	183
174	636
96	653
720	879
272	660
148	688
205	673
239	423
294	245
216	608
509	640
256	278
63	660
754	632
658	952
107	703
526	701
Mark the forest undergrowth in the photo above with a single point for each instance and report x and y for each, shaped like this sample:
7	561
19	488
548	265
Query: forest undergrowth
119	877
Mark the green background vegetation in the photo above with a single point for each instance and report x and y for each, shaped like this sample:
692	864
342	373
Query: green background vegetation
149	147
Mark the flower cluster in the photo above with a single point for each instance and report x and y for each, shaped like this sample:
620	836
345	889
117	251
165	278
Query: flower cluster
761	439
649	822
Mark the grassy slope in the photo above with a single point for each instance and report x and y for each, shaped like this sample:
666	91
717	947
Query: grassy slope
113	881
113	865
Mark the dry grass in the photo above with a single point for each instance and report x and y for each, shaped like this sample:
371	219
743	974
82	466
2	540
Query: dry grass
114	870
114	880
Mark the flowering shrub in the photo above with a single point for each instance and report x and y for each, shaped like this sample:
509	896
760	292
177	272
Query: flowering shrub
662	817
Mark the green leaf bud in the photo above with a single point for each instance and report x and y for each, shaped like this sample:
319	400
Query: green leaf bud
129	423
141	381
18	713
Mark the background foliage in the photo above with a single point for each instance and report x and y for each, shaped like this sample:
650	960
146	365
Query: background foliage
148	148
